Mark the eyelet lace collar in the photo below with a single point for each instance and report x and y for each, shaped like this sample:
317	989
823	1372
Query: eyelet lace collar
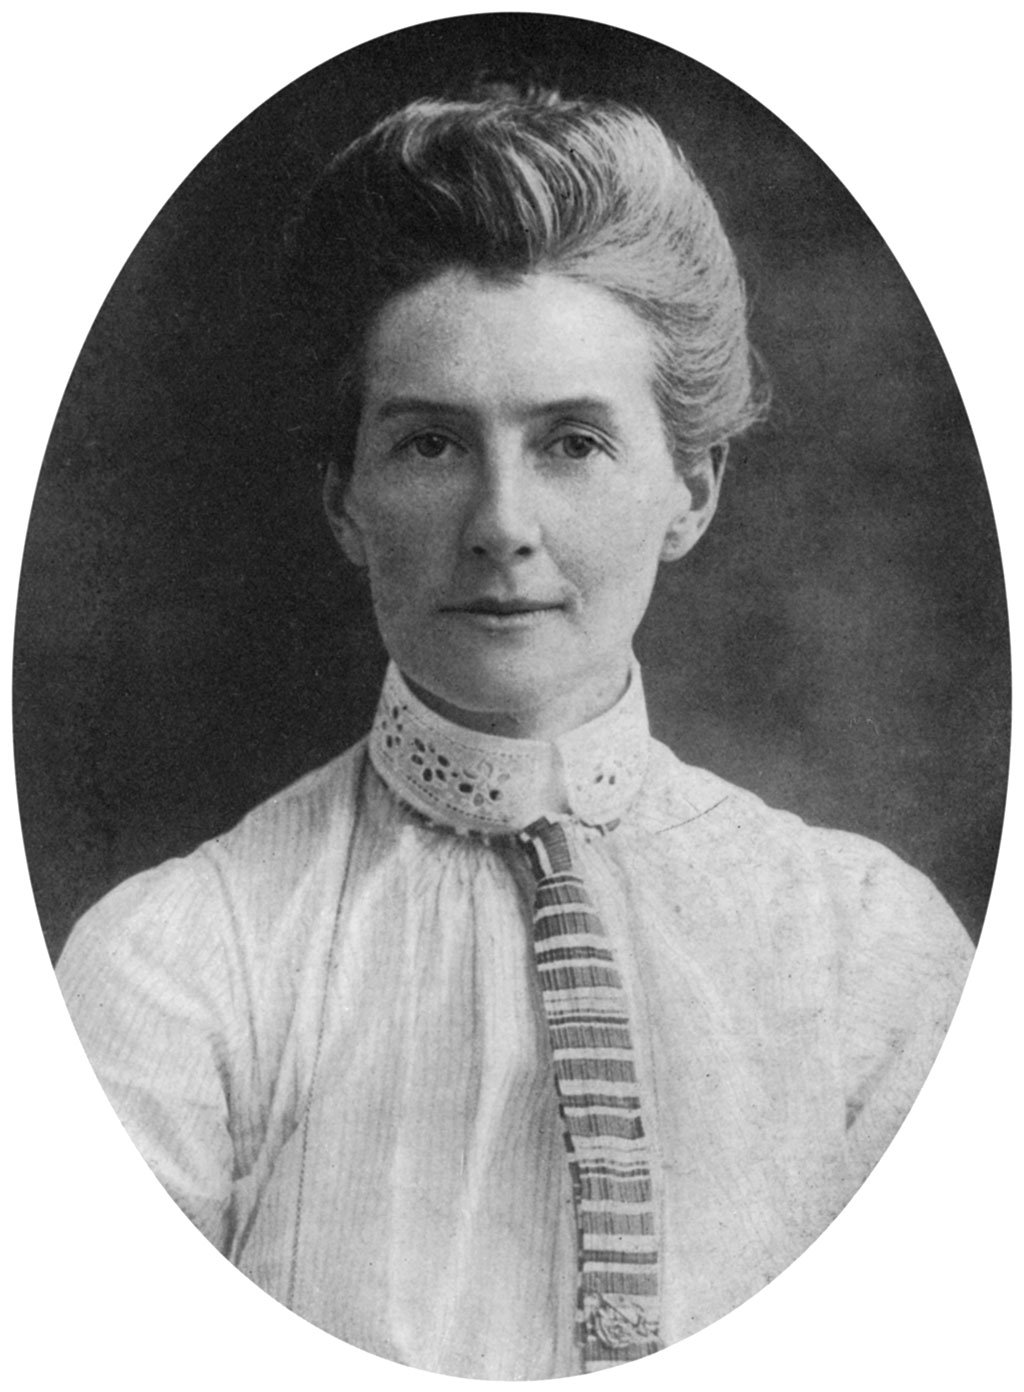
491	785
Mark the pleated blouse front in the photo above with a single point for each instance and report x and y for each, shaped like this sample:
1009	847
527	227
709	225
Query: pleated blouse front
324	1032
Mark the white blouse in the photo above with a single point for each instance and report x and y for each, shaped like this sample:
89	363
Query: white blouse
324	1032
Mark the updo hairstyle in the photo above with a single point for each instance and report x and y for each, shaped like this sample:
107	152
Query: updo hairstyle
513	185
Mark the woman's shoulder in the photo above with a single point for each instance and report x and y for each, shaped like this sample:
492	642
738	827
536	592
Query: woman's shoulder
704	806
229	894
695	801
864	889
295	821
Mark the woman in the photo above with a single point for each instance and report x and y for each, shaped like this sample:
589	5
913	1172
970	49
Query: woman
506	1045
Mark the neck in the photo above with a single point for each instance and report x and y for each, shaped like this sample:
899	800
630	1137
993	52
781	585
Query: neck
548	721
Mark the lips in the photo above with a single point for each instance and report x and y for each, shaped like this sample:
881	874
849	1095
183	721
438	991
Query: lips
505	613
503	606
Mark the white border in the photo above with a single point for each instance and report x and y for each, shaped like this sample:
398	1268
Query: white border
110	105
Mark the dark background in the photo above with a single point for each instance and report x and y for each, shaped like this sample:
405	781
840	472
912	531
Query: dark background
188	640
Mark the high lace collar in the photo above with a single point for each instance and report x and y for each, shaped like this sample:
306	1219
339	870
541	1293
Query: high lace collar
488	784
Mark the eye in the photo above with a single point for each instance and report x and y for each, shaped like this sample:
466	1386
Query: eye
424	444
429	445
577	445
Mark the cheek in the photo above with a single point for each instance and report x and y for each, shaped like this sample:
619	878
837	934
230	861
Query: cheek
401	519
406	571
624	546
394	535
397	573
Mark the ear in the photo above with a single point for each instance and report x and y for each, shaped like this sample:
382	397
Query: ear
700	487
343	524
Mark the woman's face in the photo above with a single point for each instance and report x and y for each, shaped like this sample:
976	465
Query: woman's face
511	496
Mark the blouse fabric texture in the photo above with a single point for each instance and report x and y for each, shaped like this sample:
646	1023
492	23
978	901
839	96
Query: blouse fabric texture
324	1031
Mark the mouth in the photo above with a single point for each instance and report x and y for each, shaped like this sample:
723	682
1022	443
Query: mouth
491	612
505	607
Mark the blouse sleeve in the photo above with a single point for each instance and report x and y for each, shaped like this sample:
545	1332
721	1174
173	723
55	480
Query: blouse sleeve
902	965
149	983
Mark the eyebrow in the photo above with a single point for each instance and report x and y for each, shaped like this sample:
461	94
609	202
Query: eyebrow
417	405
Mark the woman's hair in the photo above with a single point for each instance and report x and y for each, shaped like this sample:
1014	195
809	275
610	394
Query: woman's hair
509	185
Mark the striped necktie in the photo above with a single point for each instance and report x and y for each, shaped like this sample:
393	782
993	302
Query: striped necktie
599	1103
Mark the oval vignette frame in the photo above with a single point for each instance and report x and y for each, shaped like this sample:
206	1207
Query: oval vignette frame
228	1284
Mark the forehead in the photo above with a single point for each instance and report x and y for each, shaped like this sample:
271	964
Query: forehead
504	343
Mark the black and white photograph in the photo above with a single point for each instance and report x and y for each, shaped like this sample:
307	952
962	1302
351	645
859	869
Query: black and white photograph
511	719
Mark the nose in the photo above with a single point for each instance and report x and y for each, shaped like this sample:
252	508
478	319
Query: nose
502	520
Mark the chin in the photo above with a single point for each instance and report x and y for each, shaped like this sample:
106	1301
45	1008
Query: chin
476	691
494	697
